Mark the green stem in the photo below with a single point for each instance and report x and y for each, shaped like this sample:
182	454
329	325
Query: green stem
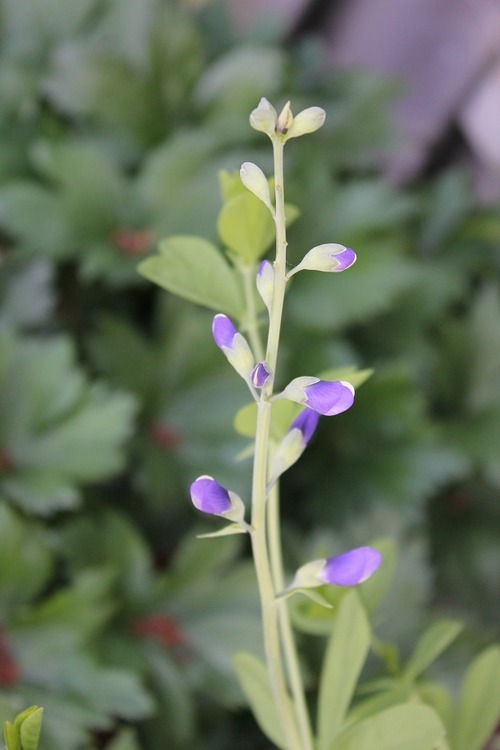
270	621
251	324
275	619
287	638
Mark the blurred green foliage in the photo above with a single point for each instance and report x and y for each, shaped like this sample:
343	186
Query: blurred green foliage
116	118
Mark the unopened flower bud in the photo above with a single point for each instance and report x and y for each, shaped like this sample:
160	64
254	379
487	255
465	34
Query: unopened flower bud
265	283
348	569
322	396
285	120
330	257
261	374
307	121
292	446
211	497
234	345
264	118
255	180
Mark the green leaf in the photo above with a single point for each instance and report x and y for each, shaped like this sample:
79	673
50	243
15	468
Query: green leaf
354	376
405	727
254	680
345	656
247	228
26	560
25	732
283	414
430	645
11	736
232	528
395	694
30	727
124	740
193	268
478	708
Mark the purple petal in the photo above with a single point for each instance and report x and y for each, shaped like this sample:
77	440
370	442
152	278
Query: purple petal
263	265
223	331
209	496
306	422
351	567
329	398
260	374
345	259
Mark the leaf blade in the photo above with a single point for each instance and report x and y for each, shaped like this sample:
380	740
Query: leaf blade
193	268
345	656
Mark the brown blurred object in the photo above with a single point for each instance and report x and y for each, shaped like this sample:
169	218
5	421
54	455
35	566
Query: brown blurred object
447	53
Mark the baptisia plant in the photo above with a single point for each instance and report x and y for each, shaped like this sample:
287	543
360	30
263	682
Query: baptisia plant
248	294
317	397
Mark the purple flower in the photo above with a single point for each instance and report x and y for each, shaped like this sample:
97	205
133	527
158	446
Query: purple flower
210	497
322	396
345	259
294	443
330	257
234	345
306	422
329	397
260	374
223	331
350	568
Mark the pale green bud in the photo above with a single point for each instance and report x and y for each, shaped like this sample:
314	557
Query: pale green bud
307	121
285	120
241	357
289	450
255	180
308	575
265	283
264	118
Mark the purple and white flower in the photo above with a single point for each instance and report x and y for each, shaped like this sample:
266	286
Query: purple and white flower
348	569
292	446
211	497
306	423
330	258
233	345
261	374
322	396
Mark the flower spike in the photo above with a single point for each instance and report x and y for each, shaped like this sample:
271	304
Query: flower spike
322	396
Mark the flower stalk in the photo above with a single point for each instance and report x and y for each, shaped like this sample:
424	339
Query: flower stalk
257	365
266	542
